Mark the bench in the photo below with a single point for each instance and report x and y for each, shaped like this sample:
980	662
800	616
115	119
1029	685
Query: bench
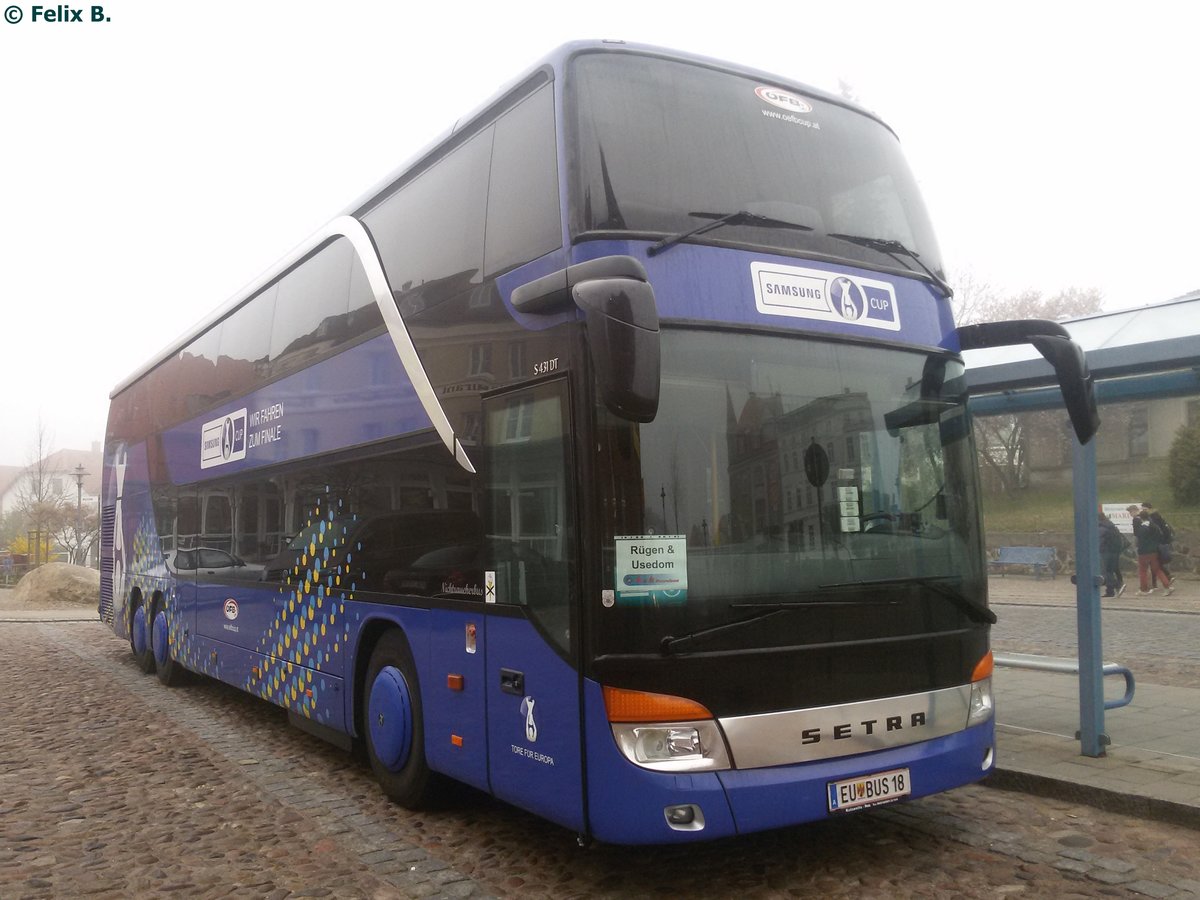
1067	667
1040	559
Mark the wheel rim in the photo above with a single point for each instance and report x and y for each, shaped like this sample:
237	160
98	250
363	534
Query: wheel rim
158	639
139	631
389	711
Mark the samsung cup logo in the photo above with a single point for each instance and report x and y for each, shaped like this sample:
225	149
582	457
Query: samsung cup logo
223	440
822	296
783	99
848	299
231	609
227	439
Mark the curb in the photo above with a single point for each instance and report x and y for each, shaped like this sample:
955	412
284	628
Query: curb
1166	811
43	614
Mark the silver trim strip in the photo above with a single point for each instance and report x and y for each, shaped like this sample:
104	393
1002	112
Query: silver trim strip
355	232
805	735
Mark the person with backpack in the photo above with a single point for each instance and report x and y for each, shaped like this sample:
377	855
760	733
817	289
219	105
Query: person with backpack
1112	542
1164	549
1148	538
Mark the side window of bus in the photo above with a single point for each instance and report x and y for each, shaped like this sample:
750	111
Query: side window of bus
312	309
258	521
218	522
523	219
430	232
246	344
196	372
187	521
529	512
363	314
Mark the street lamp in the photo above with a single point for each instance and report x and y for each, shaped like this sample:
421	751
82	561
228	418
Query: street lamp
79	474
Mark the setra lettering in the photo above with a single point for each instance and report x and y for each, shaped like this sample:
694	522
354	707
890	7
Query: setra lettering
846	730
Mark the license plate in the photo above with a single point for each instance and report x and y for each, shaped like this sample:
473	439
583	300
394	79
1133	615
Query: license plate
868	790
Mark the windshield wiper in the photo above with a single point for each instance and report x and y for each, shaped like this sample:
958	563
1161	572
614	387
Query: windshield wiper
939	585
769	609
741	217
670	642
893	248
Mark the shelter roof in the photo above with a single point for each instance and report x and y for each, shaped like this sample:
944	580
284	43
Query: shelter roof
1160	337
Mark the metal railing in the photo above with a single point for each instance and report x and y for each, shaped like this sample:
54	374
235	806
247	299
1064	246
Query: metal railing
1067	667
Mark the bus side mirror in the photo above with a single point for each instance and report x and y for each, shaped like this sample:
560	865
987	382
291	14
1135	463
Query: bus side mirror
622	335
621	320
1054	343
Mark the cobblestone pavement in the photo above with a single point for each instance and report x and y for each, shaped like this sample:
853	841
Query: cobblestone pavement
1161	646
114	786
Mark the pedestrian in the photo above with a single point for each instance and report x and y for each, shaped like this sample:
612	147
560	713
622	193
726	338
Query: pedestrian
1148	538
1111	545
1164	549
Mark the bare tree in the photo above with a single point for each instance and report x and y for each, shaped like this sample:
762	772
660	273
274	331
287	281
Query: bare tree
1004	440
979	301
40	501
78	533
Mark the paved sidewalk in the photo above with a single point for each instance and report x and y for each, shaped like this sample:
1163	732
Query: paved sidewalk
1152	766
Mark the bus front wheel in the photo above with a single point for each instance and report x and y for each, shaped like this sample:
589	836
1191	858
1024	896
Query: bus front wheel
395	735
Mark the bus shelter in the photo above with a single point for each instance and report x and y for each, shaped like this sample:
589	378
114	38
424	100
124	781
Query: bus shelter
1041	485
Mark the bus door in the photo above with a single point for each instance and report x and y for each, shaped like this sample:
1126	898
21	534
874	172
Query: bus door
533	715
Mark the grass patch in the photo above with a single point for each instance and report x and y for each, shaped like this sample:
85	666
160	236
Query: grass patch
1052	507
1040	509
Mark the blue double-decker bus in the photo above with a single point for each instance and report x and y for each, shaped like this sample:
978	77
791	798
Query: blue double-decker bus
611	457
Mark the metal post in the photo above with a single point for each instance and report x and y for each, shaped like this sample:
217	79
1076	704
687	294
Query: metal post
1092	739
79	474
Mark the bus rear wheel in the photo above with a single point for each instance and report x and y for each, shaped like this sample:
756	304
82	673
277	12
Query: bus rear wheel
169	671
395	734
139	638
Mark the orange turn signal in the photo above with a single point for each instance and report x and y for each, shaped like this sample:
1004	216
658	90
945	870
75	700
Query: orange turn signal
983	669
639	706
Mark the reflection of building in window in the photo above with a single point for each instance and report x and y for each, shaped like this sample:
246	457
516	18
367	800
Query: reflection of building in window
766	447
472	425
518	420
516	360
481	359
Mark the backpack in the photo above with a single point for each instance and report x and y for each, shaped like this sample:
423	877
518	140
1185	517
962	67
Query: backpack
1111	540
1168	533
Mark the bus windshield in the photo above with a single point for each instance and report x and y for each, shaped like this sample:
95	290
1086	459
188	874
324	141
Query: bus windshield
649	136
785	470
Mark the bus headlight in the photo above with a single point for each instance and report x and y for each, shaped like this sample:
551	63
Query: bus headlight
674	746
982	705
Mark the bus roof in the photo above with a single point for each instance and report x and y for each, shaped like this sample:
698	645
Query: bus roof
550	65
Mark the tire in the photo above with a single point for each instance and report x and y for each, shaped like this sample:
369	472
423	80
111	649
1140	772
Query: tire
393	728
139	638
170	672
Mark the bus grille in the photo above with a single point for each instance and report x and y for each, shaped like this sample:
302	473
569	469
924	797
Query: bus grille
108	522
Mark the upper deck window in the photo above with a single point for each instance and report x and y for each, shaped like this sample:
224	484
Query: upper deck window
653	141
